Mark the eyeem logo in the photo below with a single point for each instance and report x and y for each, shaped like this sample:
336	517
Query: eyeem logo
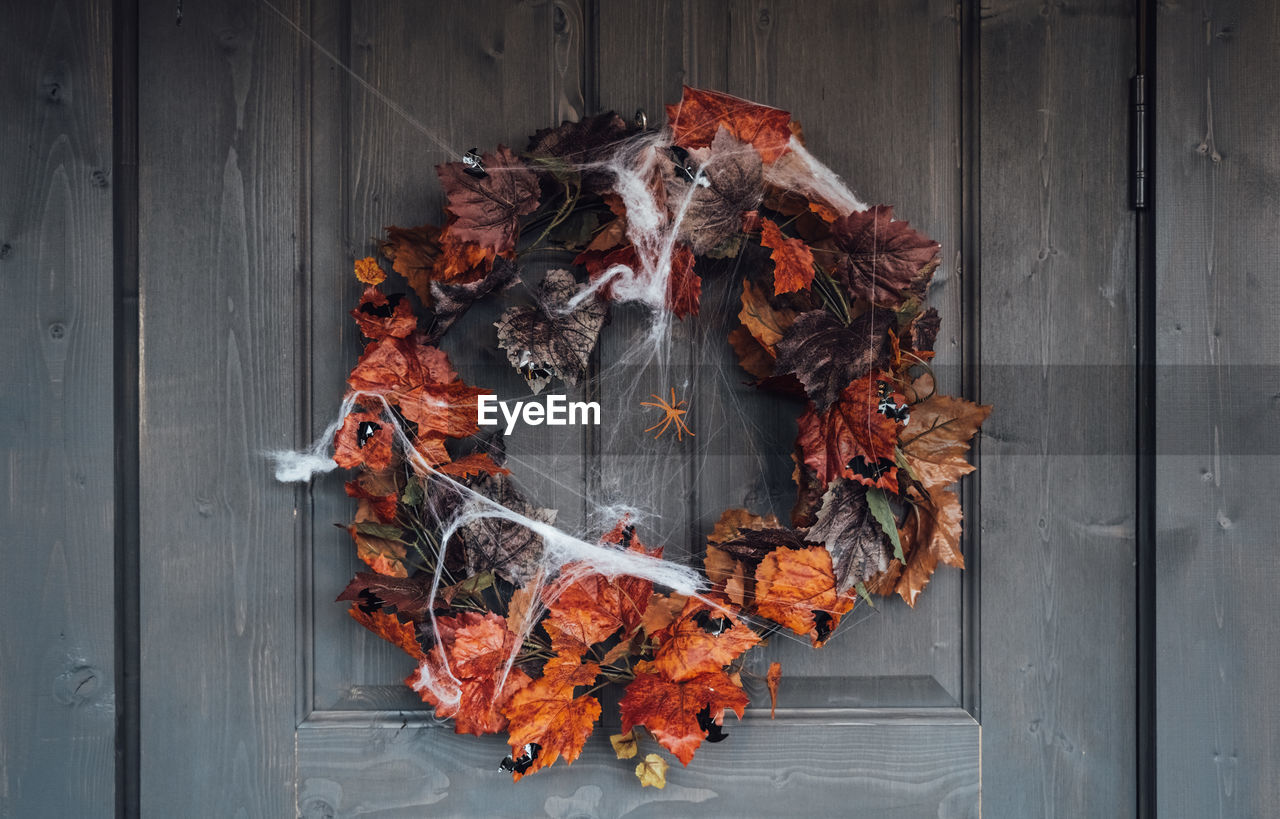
559	411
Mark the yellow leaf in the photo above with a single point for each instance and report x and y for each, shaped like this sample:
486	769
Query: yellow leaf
624	745
652	771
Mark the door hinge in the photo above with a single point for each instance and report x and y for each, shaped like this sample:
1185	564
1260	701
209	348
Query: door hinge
1138	143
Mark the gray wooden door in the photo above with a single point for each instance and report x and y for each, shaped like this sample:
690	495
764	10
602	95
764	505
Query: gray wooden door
211	181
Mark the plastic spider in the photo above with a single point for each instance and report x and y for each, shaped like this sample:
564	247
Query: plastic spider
673	410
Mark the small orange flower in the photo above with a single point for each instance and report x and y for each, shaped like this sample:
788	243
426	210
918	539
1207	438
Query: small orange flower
369	271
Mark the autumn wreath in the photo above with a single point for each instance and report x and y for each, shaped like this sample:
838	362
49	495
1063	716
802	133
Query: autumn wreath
513	624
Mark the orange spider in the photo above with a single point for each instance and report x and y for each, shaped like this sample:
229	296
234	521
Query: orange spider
673	410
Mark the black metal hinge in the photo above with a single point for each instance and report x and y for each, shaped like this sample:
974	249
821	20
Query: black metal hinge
1138	143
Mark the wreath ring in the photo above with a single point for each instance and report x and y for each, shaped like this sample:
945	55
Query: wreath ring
513	624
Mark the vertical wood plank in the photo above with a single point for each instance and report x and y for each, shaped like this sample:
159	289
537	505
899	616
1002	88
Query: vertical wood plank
1057	465
492	75
1218	204
876	87
221	335
57	662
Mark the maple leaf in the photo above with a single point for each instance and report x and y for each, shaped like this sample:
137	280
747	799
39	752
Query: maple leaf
937	437
409	596
390	365
440	411
930	535
585	609
390	628
686	649
547	713
699	115
766	323
500	544
364	439
585	142
379	315
772	678
451	301
465	664
487	209
593	608
669	709
729	184
852	438
733	521
427	253
796	588
652	772
882	261
368	271
792	259
825	355
550	340
859	547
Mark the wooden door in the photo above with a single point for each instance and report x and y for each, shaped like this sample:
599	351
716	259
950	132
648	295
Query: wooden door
274	142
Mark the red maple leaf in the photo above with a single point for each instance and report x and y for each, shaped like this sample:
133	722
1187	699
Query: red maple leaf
487	209
699	114
792	259
669	710
379	315
852	438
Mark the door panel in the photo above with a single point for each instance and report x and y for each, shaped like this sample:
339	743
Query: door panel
1056	478
290	167
1218	164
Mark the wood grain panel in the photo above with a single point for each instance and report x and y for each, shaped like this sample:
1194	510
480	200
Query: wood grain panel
57	661
1218	204
490	76
866	765
221	334
1056	336
876	87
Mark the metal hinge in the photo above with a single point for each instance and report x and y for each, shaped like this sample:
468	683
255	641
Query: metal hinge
1138	143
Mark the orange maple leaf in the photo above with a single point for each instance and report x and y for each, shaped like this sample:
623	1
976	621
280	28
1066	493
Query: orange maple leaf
368	271
390	628
794	587
584	610
687	649
792	259
547	713
699	114
466	664
669	710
